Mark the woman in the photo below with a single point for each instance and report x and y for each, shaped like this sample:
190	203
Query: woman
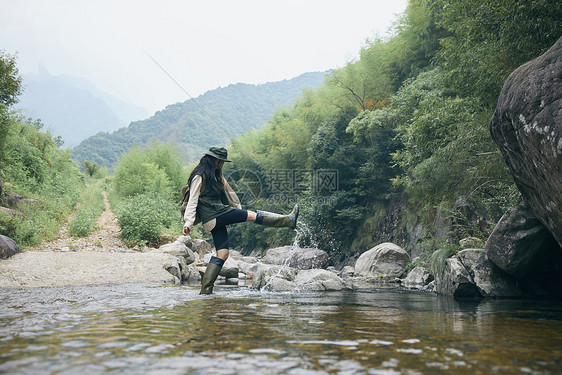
213	202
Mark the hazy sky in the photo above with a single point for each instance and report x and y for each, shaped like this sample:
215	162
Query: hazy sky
202	44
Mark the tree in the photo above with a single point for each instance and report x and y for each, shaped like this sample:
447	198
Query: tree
10	88
490	39
10	81
90	168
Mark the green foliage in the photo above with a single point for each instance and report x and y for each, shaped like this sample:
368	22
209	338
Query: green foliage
437	260
404	125
10	81
135	174
91	207
490	39
145	190
228	112
144	217
93	169
33	165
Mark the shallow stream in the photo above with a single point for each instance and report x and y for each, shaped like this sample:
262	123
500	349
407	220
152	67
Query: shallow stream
164	329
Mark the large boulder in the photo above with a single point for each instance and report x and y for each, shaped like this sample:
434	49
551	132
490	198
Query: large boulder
303	259
470	274
519	242
384	262
8	247
527	126
488	279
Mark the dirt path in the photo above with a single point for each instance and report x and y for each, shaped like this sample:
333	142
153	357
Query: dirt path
106	238
100	258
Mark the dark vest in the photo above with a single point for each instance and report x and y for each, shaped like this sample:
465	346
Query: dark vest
212	203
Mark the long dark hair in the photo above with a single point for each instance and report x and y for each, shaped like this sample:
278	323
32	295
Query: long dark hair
212	176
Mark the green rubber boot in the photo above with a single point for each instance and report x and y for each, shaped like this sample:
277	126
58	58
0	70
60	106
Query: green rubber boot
271	219
211	273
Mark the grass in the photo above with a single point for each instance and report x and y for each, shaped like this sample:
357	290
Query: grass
91	207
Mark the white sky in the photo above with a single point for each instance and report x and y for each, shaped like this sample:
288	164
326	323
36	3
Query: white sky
203	44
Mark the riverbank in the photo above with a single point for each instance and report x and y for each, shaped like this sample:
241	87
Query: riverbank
99	258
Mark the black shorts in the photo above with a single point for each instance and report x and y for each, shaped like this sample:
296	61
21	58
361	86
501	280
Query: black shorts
220	234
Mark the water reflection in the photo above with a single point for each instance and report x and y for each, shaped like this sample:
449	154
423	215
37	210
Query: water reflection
131	329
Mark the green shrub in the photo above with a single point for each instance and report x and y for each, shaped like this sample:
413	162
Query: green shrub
439	257
92	206
145	216
33	165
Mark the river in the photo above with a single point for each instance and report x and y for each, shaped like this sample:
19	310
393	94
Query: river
166	329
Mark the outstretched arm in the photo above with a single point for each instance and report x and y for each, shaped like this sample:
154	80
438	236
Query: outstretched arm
191	209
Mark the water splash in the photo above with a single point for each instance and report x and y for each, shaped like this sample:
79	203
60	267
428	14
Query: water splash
302	232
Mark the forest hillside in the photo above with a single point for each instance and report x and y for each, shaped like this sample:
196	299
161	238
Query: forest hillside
196	124
395	146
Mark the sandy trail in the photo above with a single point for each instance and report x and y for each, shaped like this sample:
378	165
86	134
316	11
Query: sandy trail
100	258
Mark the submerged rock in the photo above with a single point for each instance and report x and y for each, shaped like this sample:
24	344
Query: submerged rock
283	279
383	262
275	278
318	280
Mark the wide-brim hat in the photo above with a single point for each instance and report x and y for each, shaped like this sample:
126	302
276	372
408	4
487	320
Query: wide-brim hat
219	153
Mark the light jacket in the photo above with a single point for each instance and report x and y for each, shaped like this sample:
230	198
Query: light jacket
191	218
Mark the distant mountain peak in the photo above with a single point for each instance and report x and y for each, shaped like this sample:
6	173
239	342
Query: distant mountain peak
73	107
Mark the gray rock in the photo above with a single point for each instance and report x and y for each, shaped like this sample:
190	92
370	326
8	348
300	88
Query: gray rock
8	247
385	262
201	247
186	240
278	255
266	277
471	243
430	287
418	277
279	284
9	211
229	272
307	258
190	274
318	280
174	267
489	279
178	249
455	280
348	271
527	127
282	279
519	242
17	201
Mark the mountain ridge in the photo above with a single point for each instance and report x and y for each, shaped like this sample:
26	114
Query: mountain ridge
73	107
213	118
